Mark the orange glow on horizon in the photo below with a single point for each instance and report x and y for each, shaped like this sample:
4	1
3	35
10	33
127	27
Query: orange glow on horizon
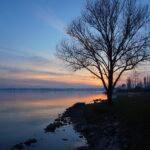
69	101
61	102
76	80
70	79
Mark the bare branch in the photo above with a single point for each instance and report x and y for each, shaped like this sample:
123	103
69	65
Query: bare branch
110	37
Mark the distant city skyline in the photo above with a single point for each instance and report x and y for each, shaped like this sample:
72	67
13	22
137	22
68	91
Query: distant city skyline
29	33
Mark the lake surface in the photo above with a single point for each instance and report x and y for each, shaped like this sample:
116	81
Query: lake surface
24	115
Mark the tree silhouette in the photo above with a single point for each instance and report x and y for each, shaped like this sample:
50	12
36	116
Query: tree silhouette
109	38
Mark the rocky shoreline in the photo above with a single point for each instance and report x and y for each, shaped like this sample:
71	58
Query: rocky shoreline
99	123
25	144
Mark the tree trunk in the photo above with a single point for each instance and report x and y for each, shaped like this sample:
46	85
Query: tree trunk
109	96
110	87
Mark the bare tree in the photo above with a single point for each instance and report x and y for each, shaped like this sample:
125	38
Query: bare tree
109	38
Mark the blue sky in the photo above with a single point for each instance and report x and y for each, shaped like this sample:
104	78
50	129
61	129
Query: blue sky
35	24
29	33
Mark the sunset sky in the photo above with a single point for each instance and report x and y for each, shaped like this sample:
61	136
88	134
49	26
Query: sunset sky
29	33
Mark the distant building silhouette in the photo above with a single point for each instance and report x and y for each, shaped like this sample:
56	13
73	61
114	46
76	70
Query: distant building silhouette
129	83
135	83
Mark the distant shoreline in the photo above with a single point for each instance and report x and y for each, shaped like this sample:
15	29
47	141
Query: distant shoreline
52	89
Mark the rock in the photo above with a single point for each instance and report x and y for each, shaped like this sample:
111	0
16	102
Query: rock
97	100
52	127
23	145
30	142
64	139
57	120
19	146
83	148
80	136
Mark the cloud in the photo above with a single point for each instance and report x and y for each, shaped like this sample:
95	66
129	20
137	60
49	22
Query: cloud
17	66
39	60
24	57
28	83
16	70
52	20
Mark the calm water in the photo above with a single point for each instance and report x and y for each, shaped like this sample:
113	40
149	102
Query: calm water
24	115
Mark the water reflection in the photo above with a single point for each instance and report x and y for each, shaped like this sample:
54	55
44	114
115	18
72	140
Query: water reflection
24	115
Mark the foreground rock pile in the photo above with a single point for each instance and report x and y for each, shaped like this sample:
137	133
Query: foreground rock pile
98	123
21	146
